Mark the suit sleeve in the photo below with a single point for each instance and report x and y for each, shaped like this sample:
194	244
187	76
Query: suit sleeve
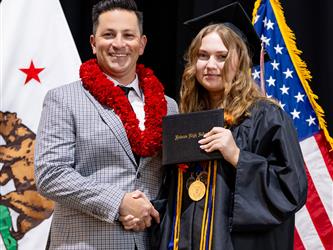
56	177
172	106
270	183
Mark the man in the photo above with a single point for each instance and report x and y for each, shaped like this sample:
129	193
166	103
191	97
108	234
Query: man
98	152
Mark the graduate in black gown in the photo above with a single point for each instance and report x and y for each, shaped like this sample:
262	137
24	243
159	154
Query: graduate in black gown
254	191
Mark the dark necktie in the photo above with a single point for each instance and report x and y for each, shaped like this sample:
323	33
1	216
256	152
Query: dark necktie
126	91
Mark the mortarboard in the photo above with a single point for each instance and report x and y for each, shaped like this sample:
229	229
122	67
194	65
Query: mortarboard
233	16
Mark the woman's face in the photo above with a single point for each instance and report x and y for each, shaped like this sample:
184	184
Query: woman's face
211	58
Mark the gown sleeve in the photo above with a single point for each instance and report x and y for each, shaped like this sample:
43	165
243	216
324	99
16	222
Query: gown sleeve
270	184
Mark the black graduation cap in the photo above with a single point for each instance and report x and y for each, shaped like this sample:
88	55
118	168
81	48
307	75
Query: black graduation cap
233	16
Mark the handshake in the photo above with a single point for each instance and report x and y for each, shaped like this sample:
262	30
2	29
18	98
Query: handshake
136	211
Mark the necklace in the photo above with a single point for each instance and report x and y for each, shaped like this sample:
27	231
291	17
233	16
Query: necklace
145	142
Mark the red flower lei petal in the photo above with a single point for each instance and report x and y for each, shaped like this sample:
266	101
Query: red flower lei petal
143	143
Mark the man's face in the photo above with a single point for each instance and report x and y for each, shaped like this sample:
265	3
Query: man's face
118	44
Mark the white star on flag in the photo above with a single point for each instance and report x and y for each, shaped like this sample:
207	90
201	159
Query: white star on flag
269	25
271	81
295	114
288	73
278	49
282	105
299	97
311	121
256	74
265	40
284	90
275	65
265	21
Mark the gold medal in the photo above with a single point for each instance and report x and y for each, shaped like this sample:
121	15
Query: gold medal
196	190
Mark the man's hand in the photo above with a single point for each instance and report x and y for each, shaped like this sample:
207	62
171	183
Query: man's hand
136	211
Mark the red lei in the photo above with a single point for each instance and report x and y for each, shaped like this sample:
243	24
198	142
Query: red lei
144	143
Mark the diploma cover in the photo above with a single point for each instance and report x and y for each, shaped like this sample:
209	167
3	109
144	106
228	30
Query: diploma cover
182	132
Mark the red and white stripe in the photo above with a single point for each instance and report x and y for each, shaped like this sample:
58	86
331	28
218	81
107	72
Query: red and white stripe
314	229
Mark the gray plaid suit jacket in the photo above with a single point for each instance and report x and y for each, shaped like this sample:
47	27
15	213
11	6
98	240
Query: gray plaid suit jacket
84	162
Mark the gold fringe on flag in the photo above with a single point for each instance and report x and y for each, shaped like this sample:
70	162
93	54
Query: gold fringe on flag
301	68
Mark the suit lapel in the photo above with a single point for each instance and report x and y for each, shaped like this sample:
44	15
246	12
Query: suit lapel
114	123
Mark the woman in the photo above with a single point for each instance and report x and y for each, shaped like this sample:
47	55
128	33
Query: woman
256	189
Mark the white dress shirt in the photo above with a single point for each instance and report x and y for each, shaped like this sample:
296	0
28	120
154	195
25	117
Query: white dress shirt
136	99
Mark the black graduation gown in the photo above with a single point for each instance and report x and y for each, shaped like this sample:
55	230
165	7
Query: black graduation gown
256	201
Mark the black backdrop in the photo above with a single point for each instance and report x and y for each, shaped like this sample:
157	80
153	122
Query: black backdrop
311	23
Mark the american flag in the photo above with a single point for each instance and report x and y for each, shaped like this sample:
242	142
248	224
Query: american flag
286	79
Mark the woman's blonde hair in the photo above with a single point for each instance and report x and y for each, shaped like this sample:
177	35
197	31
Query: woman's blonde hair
237	95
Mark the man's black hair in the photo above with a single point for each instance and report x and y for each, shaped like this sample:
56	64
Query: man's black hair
107	5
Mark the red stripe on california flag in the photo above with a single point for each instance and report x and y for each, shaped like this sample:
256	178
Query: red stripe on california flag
298	244
327	156
318	214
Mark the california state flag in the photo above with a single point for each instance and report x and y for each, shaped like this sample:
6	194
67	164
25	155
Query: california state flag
37	53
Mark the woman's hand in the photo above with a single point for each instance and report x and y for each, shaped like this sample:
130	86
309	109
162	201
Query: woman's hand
221	139
131	223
